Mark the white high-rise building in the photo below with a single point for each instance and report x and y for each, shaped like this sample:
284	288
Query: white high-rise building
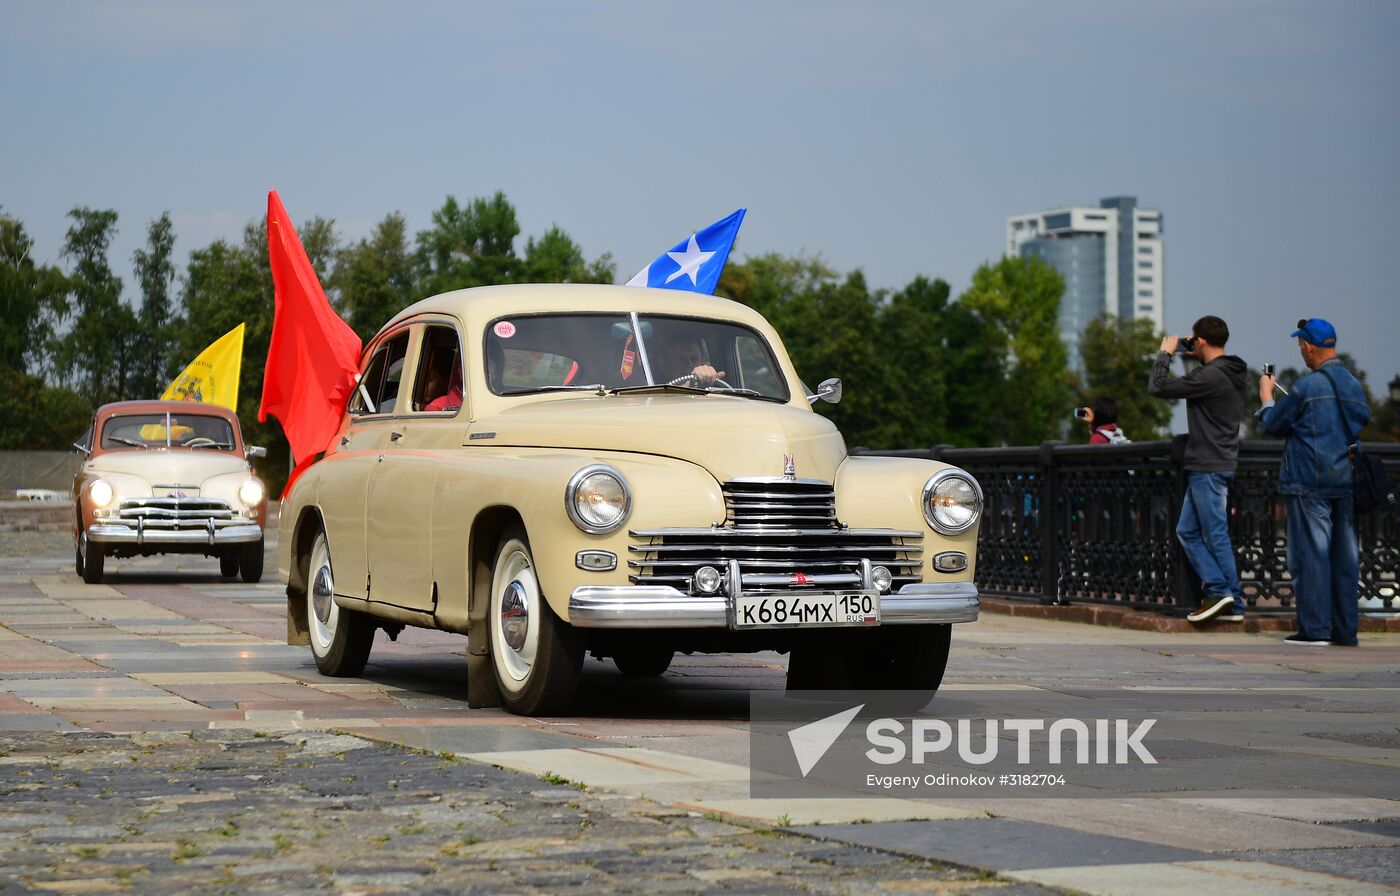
1110	257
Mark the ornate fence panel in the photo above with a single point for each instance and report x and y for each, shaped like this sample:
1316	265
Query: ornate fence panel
1097	523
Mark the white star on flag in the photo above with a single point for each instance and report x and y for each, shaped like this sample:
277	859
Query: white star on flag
689	260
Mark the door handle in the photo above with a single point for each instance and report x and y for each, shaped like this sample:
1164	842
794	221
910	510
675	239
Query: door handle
395	436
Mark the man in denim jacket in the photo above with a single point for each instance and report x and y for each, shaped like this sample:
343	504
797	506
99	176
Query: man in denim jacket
1316	476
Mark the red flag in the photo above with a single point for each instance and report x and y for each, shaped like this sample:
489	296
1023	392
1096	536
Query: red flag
314	355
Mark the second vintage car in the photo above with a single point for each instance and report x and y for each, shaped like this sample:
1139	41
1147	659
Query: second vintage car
168	477
555	470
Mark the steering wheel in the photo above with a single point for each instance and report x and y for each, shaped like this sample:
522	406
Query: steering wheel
199	440
693	380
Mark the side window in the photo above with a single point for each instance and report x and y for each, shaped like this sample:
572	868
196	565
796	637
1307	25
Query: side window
438	385
755	371
378	389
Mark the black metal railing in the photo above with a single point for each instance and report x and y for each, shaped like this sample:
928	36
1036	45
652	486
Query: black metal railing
1097	523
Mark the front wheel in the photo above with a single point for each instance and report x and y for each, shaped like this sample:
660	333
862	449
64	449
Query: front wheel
228	565
250	563
90	558
340	638
536	656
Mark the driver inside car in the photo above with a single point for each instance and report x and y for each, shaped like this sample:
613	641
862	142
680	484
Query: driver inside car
683	359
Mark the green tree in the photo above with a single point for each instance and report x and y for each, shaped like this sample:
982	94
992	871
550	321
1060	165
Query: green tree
471	245
374	278
1117	353
1021	298
555	258
975	360
156	362
33	300
96	354
914	401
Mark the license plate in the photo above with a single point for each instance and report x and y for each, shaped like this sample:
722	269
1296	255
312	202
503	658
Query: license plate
804	610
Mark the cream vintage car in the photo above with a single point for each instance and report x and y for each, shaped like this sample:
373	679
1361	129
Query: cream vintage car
168	477
554	470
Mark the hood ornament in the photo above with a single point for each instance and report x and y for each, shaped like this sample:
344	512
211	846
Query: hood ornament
789	468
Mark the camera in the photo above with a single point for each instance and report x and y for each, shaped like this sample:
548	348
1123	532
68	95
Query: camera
1081	413
1268	370
1185	344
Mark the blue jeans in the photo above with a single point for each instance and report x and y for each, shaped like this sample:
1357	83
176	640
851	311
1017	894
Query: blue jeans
1205	535
1322	557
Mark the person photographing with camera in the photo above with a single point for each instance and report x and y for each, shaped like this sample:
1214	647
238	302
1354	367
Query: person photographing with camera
1215	395
1319	421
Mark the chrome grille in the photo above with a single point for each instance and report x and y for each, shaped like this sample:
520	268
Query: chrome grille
770	559
780	504
176	513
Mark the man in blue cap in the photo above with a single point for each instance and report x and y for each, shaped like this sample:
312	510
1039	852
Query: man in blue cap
1319	420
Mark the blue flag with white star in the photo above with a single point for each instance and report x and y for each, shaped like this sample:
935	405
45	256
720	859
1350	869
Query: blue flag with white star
696	263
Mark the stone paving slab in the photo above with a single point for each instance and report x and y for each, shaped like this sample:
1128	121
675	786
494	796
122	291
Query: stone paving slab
1195	878
1002	844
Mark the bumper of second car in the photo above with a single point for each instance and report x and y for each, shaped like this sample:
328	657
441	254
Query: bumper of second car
659	606
212	532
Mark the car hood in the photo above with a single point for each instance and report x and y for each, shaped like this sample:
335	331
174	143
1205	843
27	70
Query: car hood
731	437
183	468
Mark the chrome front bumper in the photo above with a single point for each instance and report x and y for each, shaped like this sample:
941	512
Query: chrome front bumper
215	533
661	606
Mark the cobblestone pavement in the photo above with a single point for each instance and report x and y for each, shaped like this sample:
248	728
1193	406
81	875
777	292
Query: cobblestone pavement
157	735
244	812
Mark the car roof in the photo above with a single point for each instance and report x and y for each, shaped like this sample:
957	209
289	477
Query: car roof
486	302
161	407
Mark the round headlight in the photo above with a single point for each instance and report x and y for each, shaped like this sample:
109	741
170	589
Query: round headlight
251	492
597	499
952	501
101	492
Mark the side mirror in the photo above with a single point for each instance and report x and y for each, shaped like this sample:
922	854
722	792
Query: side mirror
255	451
828	391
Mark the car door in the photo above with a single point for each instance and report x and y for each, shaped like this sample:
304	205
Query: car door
344	498
403	483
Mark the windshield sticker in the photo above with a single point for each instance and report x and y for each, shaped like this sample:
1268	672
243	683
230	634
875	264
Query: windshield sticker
504	329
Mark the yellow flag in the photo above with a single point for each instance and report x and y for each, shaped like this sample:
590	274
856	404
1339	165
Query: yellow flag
213	376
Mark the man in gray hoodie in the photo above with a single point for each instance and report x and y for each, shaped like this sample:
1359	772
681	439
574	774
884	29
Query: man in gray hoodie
1214	394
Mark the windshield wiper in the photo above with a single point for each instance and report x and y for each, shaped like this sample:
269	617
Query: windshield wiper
141	445
222	446
596	387
658	387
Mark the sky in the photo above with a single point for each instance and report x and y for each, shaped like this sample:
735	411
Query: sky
893	137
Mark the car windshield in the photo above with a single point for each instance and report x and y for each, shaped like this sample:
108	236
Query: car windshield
626	352
166	430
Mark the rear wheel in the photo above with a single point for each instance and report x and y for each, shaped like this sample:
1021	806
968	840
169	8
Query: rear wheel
643	662
251	561
537	657
340	638
228	564
90	558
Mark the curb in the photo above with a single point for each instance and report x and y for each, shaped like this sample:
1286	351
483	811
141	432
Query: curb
1147	621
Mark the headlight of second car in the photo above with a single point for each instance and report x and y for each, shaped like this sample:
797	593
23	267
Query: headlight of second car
597	499
952	501
101	493
251	492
